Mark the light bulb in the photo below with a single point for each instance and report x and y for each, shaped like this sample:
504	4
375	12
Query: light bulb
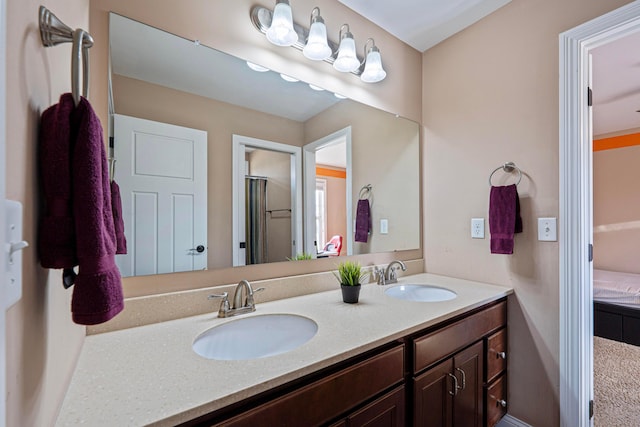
281	32
317	47
373	71
347	61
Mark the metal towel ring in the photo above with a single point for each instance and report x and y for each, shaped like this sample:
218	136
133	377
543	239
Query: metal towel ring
508	168
365	191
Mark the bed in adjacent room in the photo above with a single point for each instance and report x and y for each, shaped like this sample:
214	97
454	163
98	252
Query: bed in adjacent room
616	306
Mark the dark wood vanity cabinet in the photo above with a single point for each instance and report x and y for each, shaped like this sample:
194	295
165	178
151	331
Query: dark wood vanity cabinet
452	374
455	368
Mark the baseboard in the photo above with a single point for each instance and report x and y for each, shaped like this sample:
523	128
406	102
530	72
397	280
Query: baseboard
509	421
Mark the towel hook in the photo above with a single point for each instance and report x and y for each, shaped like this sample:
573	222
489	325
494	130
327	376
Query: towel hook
365	191
54	32
508	167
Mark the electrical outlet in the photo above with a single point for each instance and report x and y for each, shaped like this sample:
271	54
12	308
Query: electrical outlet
477	228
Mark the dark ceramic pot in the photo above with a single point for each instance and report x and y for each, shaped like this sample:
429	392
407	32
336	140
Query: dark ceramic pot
350	294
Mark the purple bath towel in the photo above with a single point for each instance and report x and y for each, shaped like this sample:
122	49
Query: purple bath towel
71	146
363	221
504	218
118	221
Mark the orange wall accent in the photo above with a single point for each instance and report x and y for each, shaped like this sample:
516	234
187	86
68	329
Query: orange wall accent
616	142
331	172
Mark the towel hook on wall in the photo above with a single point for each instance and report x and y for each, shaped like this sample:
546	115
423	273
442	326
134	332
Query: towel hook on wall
54	32
365	191
508	167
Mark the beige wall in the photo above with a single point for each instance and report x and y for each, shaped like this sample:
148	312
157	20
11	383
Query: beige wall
42	342
616	209
490	95
220	120
384	153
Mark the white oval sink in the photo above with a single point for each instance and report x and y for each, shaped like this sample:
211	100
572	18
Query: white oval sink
422	293
255	337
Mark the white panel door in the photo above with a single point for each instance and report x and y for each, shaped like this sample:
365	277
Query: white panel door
162	173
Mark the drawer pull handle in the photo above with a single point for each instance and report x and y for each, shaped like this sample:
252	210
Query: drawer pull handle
455	385
501	355
464	379
502	403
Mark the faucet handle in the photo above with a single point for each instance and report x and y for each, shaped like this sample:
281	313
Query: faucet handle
250	301
224	304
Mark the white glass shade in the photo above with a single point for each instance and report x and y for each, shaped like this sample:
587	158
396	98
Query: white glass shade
289	78
347	61
256	67
317	47
373	71
281	32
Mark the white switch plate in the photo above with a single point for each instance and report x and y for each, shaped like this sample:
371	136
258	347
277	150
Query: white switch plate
384	226
477	228
13	236
547	229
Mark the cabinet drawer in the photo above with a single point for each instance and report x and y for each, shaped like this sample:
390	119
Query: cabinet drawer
496	354
496	398
444	342
319	402
387	411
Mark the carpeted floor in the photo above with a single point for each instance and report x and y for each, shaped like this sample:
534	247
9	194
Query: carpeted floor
616	383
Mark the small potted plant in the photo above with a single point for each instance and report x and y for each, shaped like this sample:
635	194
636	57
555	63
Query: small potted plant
350	277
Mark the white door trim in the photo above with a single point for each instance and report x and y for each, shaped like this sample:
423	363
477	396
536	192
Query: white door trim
3	284
576	226
240	143
309	158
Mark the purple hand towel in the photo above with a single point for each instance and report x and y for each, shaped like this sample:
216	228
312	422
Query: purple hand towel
363	221
97	294
56	234
88	240
118	221
504	218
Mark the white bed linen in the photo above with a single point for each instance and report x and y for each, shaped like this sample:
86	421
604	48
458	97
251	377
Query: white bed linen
616	287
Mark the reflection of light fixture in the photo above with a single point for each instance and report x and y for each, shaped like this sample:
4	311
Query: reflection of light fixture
289	78
314	87
347	61
373	71
337	95
317	47
256	67
281	31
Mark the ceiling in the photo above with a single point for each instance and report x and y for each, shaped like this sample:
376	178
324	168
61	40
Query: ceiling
616	86
424	23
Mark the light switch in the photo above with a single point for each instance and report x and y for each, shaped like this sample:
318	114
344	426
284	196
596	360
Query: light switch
384	226
547	229
13	251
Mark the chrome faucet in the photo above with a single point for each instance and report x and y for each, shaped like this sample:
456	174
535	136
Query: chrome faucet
388	275
242	300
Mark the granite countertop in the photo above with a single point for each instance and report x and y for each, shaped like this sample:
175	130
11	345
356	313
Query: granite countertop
149	375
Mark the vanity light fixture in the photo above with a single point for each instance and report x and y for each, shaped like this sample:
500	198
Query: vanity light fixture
314	87
317	47
346	61
314	44
337	95
281	32
373	71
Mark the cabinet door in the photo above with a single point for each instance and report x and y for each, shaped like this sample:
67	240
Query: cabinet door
467	403
433	396
388	411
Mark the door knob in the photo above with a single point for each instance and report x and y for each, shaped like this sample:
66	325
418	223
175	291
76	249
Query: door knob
199	249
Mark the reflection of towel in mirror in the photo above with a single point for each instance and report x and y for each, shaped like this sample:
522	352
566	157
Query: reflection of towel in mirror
118	221
363	221
81	203
504	218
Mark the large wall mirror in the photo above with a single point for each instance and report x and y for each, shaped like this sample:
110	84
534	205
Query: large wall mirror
222	163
